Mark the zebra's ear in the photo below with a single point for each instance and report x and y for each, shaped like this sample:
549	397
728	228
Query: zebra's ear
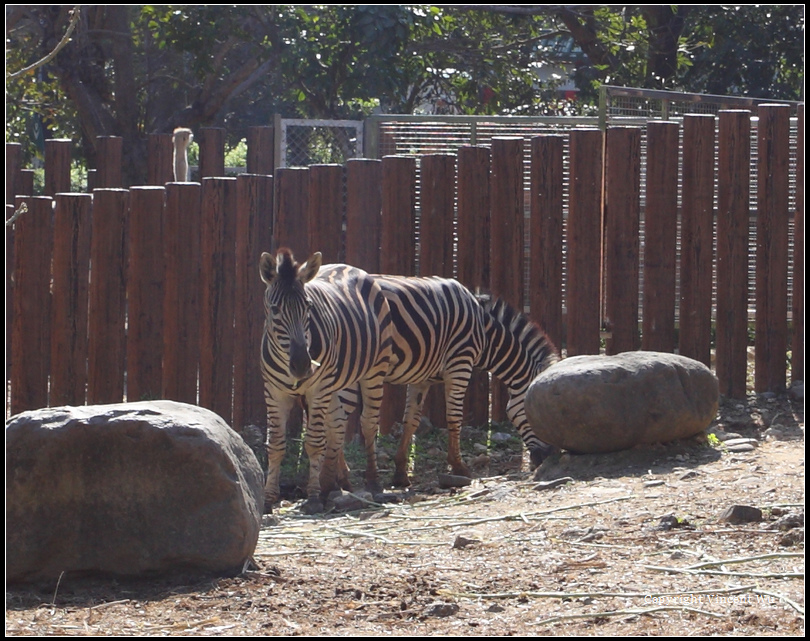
309	269
267	268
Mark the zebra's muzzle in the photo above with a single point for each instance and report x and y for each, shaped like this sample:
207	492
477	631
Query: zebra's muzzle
300	362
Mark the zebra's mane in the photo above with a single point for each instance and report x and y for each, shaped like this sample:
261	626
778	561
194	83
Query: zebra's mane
286	266
516	323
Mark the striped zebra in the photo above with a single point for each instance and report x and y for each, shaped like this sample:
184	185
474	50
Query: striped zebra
440	333
326	329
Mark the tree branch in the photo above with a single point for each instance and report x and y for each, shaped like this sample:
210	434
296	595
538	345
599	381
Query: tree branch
75	14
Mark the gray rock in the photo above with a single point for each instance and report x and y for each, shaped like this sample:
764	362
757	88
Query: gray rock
349	501
453	480
131	489
737	514
592	404
441	609
796	391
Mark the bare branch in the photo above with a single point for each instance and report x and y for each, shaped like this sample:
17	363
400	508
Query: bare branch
75	14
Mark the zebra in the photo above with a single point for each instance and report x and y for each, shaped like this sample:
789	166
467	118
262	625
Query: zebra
327	329
441	332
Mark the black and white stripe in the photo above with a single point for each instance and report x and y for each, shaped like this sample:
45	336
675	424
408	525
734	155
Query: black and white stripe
516	351
326	329
441	332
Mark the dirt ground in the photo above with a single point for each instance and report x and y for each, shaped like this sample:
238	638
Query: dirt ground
632	543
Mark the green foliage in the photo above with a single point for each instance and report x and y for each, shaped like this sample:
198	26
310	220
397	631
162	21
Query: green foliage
751	50
236	65
236	156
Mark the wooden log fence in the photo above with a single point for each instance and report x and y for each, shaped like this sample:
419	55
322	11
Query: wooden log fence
153	291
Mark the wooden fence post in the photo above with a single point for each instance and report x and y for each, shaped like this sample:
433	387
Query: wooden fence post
254	231
261	151
546	235
732	251
217	260
182	224
9	302
26	184
436	224
622	215
473	197
773	163
145	274
363	217
797	342
326	212
33	239
159	159
13	168
212	152
584	241
57	166
109	155
71	266
436	235
398	229
507	243
660	235
13	182
697	238
397	252
291	228
106	337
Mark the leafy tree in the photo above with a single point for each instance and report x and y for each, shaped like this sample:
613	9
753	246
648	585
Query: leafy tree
131	70
752	50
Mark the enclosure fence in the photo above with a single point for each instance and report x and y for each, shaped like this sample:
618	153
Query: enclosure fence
153	291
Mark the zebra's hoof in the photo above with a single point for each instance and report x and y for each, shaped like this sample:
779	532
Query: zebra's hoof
401	480
269	502
539	454
312	505
373	487
461	470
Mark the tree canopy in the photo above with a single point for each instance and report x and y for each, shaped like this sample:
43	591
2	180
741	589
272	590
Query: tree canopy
129	70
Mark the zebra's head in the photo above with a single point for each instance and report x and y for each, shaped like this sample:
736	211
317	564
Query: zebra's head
287	308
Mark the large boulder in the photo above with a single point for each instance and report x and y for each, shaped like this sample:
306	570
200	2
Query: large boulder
590	404
130	489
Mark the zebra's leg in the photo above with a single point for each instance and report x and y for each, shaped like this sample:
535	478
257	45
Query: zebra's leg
539	451
413	413
315	446
278	411
371	391
335	472
454	390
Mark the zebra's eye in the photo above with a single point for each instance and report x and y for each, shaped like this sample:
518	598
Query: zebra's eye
275	311
310	304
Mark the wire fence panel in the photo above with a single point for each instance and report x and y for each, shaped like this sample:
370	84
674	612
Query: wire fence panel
313	142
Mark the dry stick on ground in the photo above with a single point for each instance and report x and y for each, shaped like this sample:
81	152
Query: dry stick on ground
593	595
698	568
744	575
746	559
617	613
328	529
782	598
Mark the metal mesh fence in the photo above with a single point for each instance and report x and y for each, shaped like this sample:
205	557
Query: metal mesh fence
311	142
618	104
